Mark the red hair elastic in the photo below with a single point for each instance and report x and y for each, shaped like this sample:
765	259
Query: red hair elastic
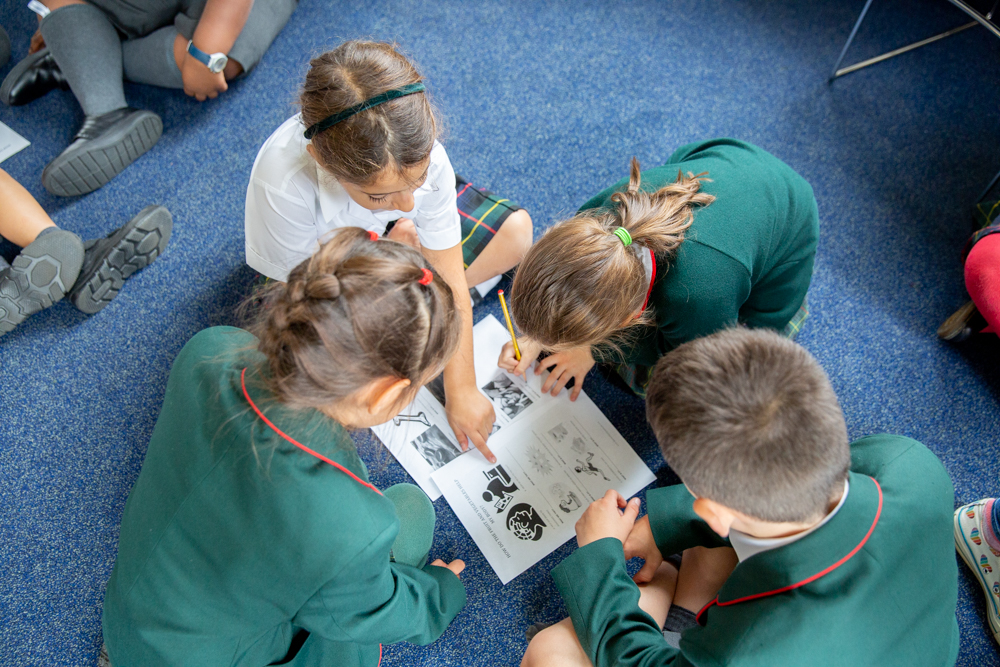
427	277
372	235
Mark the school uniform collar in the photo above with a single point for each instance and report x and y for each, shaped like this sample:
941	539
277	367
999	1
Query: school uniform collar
816	555
308	427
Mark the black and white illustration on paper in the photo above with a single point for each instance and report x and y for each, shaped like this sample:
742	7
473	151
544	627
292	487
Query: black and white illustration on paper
568	500
506	395
435	447
587	467
524	522
499	488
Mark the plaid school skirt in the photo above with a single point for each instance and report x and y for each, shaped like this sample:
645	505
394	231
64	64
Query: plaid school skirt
636	376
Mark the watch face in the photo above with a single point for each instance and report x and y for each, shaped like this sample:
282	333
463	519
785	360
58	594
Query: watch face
217	62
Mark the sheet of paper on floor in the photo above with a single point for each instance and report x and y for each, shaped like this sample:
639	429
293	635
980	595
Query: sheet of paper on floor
10	142
420	437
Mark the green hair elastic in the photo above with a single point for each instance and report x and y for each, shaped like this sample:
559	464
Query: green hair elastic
623	234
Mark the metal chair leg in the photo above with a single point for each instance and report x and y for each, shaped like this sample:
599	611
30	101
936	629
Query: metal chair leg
989	187
837	72
854	31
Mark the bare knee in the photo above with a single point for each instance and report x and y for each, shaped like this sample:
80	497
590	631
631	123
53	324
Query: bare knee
517	232
556	646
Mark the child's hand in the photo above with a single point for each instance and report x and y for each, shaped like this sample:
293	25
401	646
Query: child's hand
573	363
529	352
199	82
605	518
640	543
455	566
471	417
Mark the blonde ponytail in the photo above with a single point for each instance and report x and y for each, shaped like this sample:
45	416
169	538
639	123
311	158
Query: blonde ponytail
581	284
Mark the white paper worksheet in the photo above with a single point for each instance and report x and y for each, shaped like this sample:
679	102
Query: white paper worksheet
420	437
10	142
550	466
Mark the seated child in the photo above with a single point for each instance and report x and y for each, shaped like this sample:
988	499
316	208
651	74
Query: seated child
364	153
845	551
982	281
723	233
55	262
196	45
252	535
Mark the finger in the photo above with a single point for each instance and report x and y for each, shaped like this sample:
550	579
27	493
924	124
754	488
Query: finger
551	379
463	441
212	95
632	510
480	442
577	388
439	563
522	367
564	377
621	501
456	566
199	97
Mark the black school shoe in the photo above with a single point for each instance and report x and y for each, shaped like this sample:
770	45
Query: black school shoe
101	150
32	78
41	275
111	260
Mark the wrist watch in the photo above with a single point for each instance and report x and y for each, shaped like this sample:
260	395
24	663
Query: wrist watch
215	62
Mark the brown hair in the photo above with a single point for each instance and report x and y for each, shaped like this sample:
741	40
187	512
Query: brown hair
352	313
395	135
579	284
748	419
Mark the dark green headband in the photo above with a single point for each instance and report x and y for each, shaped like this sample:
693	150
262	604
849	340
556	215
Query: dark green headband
387	96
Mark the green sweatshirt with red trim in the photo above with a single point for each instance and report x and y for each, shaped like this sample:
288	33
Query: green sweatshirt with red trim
876	585
747	257
239	548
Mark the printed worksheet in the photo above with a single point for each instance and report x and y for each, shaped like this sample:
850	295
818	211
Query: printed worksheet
420	437
10	142
550	467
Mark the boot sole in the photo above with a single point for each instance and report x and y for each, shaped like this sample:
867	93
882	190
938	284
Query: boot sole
38	278
15	74
101	159
138	243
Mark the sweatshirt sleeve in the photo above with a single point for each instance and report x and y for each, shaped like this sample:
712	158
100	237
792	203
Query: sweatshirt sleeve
603	603
674	524
373	600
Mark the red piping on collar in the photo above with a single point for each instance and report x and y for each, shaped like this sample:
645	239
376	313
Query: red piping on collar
785	589
305	449
652	279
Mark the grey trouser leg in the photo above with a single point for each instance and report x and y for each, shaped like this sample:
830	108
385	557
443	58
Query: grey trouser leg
150	59
88	50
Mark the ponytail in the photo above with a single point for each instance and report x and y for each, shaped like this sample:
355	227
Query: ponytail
583	282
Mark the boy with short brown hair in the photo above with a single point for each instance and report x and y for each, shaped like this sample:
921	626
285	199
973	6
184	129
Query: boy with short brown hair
845	551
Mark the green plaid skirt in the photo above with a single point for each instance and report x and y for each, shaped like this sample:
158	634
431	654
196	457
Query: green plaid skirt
636	376
482	214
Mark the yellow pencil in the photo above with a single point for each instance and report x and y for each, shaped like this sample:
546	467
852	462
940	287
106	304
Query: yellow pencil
510	325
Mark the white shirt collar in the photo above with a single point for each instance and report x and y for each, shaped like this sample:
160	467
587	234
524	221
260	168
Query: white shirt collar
747	546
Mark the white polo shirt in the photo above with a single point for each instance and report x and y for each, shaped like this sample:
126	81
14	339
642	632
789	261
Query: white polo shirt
292	204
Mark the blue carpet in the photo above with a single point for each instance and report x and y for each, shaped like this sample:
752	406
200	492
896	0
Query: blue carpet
545	102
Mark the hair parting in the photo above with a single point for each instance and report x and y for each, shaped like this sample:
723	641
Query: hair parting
396	135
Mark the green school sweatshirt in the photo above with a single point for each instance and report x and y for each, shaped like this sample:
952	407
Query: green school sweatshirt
239	548
747	257
877	585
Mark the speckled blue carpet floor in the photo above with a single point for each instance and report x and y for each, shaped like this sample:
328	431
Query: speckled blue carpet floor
545	102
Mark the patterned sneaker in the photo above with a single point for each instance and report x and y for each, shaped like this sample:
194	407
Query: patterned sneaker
981	558
38	277
111	260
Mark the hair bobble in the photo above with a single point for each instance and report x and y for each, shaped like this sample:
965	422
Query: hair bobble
426	278
372	235
623	235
